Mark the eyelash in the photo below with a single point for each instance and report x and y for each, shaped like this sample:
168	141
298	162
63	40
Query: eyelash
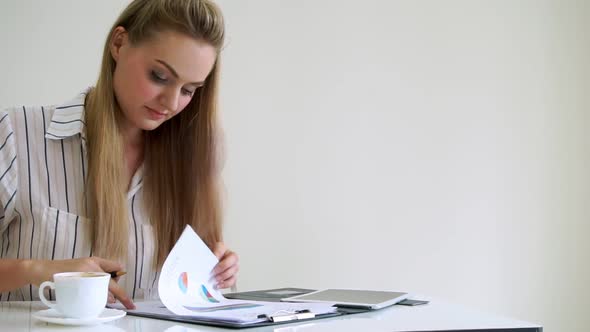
157	78
160	80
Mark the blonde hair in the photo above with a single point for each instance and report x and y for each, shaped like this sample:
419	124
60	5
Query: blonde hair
181	171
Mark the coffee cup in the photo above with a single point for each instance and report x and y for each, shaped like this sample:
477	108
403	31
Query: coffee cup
78	294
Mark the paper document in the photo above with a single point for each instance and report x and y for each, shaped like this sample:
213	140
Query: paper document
186	289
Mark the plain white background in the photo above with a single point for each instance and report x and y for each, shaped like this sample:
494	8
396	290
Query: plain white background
435	147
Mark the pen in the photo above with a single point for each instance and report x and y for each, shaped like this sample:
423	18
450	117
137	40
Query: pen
116	274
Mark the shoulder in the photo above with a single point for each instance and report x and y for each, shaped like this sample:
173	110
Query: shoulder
21	117
57	121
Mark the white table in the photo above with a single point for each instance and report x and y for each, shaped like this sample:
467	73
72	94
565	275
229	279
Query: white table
436	316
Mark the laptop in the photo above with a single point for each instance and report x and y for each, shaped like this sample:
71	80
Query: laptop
365	299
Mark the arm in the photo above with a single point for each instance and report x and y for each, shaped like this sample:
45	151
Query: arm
15	273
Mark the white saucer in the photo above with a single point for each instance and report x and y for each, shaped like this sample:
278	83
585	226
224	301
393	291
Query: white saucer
52	316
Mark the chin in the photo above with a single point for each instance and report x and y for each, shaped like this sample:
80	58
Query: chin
151	127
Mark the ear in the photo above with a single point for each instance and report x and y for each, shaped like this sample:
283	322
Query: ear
118	40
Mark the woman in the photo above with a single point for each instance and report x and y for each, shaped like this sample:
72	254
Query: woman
108	181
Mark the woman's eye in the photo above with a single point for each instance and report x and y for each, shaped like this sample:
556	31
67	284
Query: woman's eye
157	77
187	92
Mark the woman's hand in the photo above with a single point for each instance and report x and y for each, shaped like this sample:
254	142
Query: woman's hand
42	270
226	270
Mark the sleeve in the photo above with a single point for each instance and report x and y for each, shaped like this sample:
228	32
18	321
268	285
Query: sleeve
8	170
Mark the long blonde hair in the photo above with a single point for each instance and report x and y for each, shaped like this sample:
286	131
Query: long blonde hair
181	171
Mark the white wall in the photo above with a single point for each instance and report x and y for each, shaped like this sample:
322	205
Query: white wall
437	147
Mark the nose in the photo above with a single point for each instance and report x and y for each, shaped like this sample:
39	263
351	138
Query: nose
169	99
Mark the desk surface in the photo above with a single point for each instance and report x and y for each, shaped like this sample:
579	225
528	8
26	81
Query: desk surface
436	316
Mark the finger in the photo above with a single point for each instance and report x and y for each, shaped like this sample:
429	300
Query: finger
225	275
108	265
227	283
111	298
219	250
228	260
120	295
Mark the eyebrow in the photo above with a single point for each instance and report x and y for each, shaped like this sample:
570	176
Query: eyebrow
175	73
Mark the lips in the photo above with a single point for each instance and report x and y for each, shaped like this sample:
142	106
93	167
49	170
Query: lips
156	115
156	111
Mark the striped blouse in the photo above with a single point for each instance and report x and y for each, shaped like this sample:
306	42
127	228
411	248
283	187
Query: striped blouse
43	169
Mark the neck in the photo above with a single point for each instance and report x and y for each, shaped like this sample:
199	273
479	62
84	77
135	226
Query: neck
132	136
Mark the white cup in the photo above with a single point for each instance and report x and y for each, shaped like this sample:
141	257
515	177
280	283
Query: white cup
78	294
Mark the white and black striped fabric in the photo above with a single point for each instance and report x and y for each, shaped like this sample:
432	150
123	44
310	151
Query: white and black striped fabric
43	169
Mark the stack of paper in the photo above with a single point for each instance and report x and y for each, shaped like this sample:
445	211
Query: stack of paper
186	289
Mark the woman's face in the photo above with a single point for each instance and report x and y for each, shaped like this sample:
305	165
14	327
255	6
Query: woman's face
156	79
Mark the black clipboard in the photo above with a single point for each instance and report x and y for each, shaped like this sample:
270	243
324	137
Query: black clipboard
268	295
275	319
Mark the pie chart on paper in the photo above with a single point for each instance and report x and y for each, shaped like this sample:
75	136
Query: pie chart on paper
183	282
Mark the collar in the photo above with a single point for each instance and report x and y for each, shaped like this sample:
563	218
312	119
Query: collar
136	182
68	119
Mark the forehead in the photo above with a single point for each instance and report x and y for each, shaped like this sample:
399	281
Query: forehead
191	58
